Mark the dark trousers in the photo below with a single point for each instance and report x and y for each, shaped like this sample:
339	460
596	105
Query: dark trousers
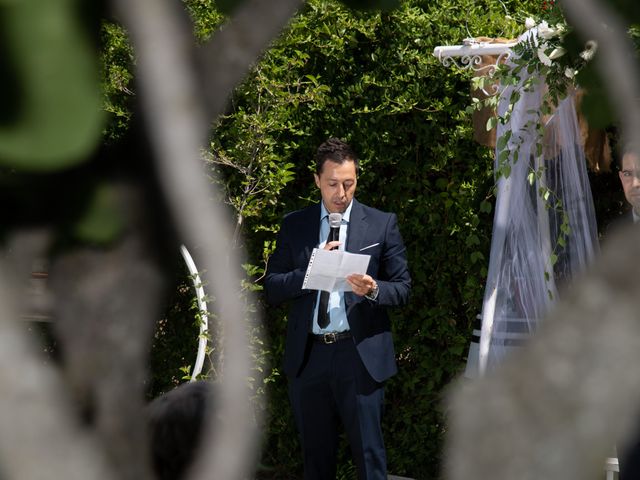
335	388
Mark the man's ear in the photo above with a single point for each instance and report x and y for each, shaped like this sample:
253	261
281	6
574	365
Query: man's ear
317	179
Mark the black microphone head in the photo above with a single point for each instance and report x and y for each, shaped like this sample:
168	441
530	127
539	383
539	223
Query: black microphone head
335	219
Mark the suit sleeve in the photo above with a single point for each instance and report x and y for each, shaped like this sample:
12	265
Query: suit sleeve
394	281
284	278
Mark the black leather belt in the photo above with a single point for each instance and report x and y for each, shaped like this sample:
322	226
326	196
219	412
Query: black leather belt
331	337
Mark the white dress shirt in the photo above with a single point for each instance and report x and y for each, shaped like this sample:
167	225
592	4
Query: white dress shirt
337	312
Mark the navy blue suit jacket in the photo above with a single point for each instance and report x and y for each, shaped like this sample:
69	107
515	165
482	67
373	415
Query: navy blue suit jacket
623	221
368	320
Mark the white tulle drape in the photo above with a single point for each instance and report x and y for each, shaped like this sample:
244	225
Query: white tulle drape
531	260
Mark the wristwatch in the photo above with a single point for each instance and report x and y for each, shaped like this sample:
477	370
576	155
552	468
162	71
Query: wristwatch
373	293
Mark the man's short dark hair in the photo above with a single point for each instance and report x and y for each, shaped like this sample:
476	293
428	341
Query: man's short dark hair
629	147
175	427
335	150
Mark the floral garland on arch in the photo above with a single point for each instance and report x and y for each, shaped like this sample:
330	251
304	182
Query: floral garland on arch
543	56
539	59
555	64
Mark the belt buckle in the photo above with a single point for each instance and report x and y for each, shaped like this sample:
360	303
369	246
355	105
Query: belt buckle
329	338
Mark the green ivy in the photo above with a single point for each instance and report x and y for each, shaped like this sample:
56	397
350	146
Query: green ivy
118	92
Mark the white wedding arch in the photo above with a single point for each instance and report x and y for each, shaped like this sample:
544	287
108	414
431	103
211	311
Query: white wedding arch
535	248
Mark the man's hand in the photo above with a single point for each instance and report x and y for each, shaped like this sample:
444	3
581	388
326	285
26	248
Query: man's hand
332	245
362	284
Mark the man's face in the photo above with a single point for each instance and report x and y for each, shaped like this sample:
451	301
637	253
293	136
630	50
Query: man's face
337	184
630	178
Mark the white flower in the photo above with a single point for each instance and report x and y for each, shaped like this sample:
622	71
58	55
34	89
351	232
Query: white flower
529	23
545	31
589	50
543	56
570	72
557	53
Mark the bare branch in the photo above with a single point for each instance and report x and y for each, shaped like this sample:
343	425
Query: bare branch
229	54
177	128
556	408
107	301
41	436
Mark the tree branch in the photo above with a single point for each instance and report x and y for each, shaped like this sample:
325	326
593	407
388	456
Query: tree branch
226	58
177	126
556	408
41	436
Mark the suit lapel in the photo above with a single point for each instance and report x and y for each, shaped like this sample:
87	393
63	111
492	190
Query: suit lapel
358	227
310	235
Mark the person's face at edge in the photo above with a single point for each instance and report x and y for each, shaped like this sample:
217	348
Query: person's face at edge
337	184
630	178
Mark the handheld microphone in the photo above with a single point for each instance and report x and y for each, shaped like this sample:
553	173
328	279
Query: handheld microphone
335	219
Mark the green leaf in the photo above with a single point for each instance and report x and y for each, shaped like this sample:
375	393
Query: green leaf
485	207
502	141
562	242
102	221
531	178
476	257
503	157
472	240
58	120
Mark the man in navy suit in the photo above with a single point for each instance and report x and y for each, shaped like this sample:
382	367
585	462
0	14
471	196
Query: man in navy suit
629	455
630	179
337	372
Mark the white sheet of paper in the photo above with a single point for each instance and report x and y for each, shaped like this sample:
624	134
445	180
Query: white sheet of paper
328	269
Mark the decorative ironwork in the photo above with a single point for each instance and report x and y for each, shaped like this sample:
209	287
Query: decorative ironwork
472	56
